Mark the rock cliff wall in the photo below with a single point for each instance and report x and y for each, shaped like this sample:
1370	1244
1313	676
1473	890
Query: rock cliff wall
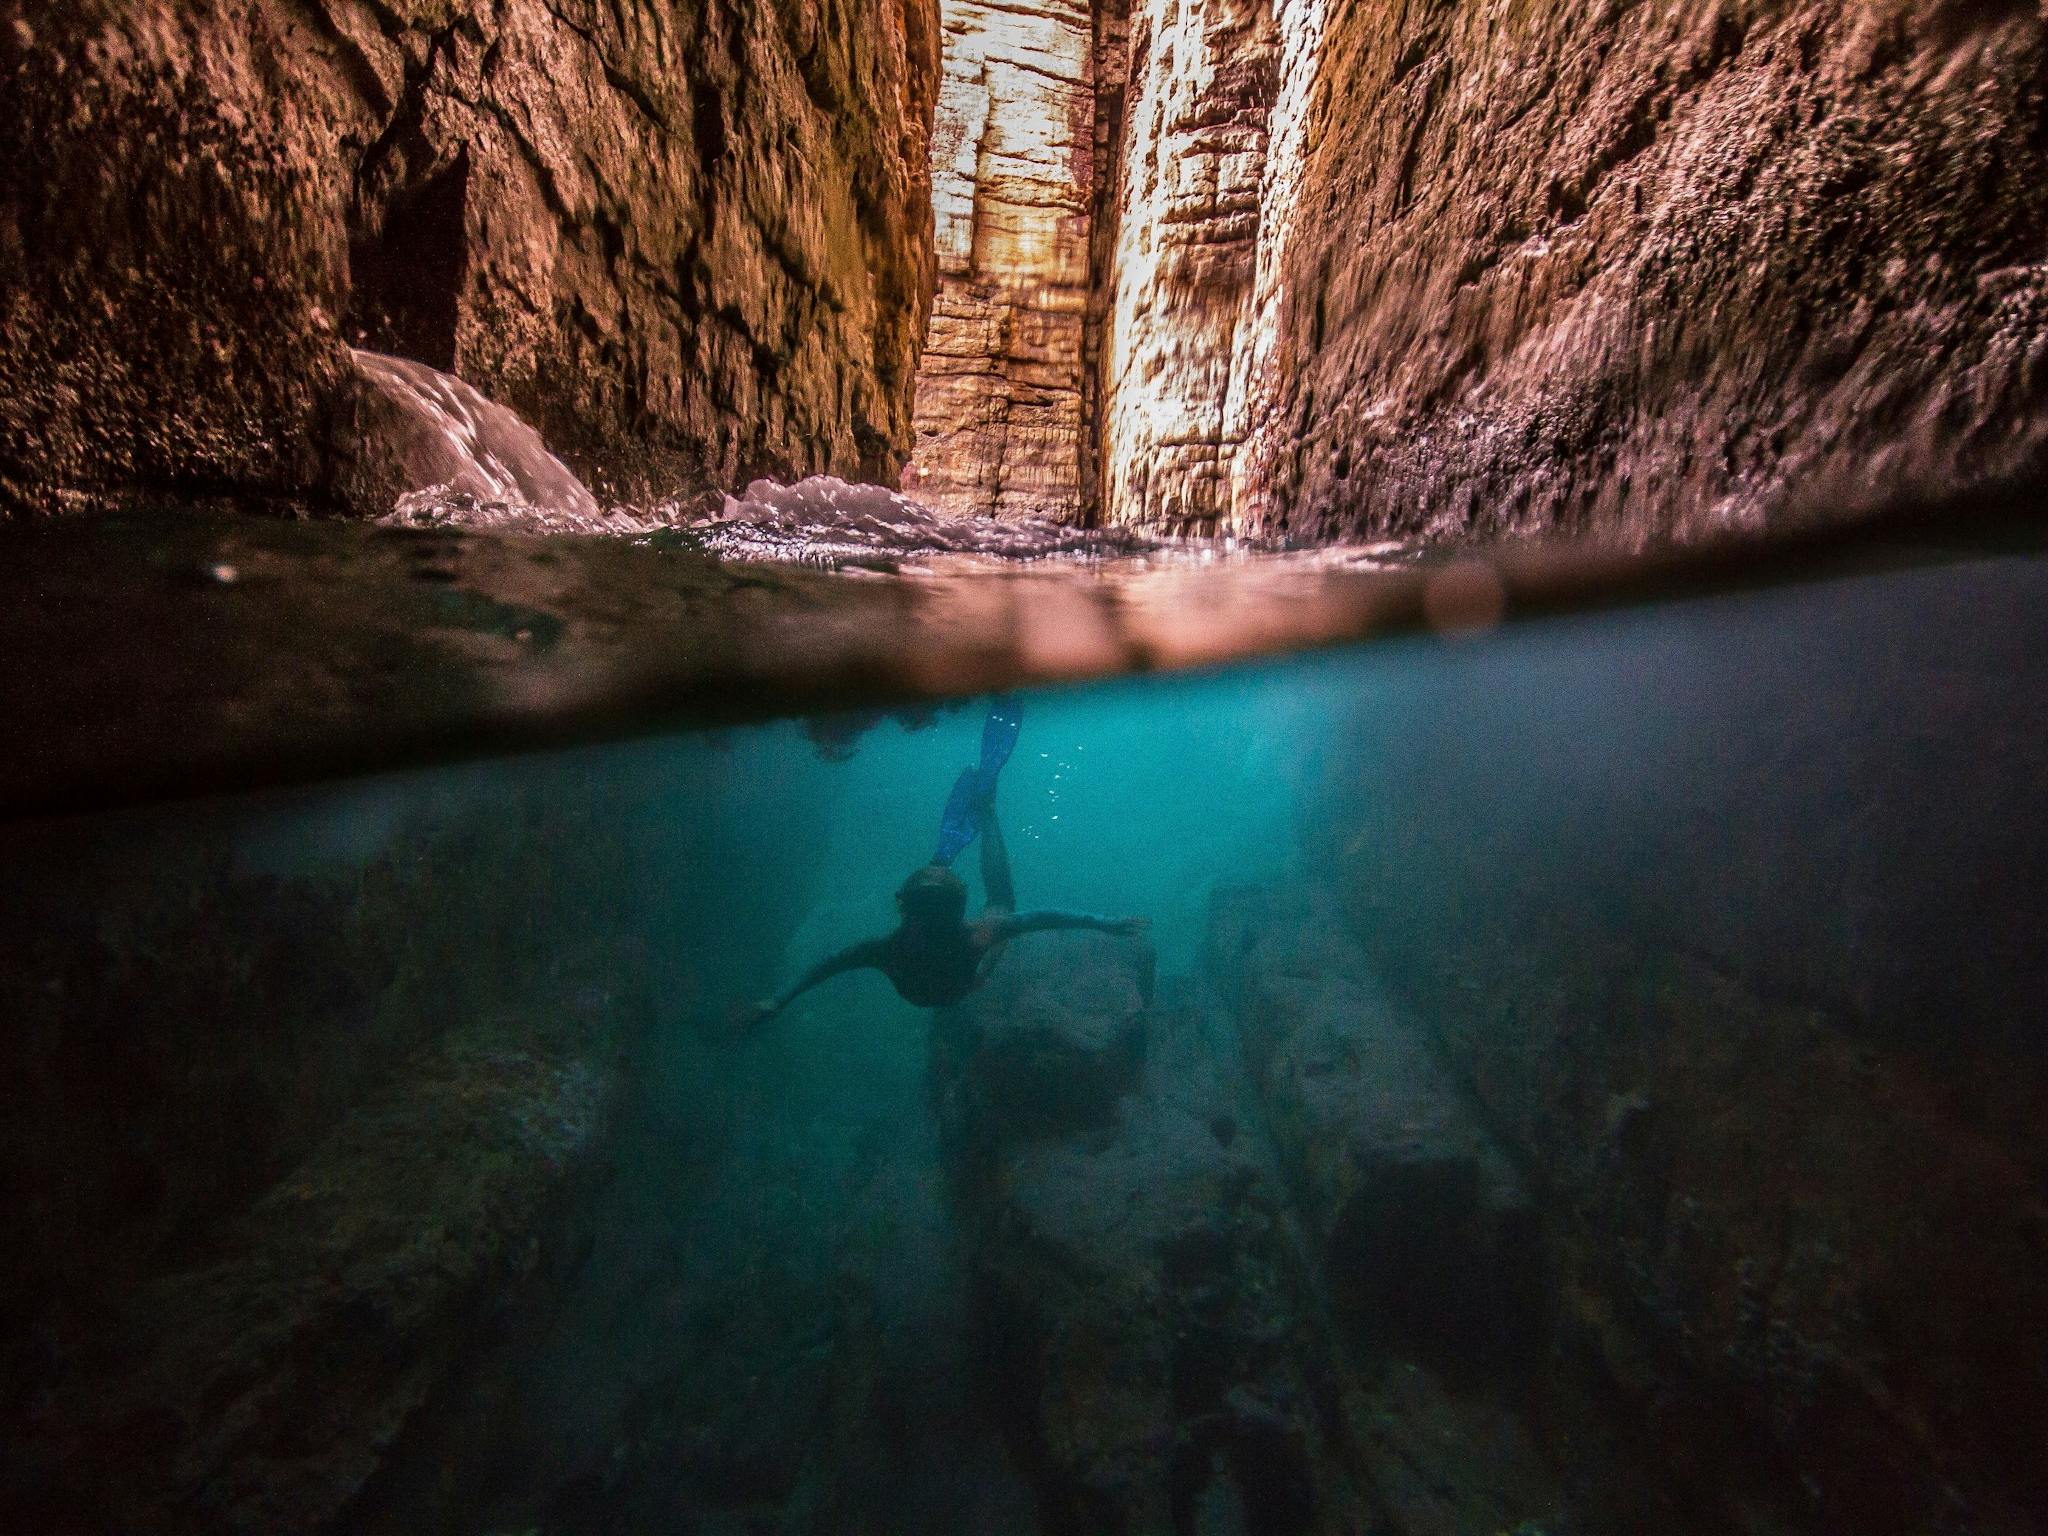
1202	82
1000	427
1654	267
1643	269
688	243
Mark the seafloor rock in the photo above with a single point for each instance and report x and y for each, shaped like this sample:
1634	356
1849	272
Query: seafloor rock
1044	1048
1428	1236
1646	268
1000	428
687	247
258	1391
1148	1346
1747	974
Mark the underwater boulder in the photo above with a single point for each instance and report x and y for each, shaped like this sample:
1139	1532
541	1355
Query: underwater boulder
1049	1044
1427	1233
261	1388
1154	1363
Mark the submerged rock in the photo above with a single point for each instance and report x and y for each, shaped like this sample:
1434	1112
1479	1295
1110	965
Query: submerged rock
259	1391
1043	1049
1427	1232
1149	1354
687	253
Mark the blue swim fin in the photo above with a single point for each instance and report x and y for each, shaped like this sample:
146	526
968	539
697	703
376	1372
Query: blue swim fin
999	738
961	822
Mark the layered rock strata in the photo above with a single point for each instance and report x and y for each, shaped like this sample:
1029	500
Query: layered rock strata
1000	429
1644	270
689	247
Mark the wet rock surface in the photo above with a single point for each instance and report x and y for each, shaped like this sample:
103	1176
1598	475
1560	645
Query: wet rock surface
688	246
1426	1230
1647	269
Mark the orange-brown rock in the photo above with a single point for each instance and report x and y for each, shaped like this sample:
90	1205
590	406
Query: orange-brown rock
1643	269
688	243
1647	269
1194	152
1000	425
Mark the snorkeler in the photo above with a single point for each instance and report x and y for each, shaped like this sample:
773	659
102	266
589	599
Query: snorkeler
935	956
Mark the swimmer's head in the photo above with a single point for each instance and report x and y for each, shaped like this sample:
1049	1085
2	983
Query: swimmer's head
933	894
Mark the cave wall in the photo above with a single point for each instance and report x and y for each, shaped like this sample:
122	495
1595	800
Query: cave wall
1655	267
999	412
1643	269
1728	918
689	243
1639	269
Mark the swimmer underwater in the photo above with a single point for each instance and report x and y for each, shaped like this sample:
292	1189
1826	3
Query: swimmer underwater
935	956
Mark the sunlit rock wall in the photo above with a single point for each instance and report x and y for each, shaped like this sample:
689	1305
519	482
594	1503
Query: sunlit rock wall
999	399
1647	268
691	245
1202	82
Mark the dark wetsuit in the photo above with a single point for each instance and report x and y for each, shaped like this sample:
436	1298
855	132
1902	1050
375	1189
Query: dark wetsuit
933	964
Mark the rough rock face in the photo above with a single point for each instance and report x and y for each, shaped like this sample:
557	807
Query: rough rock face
689	245
1746	972
1650	268
999	399
1202	80
1644	269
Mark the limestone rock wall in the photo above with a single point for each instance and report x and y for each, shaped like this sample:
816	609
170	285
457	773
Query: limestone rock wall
1202	83
999	399
1645	269
688	242
1648	268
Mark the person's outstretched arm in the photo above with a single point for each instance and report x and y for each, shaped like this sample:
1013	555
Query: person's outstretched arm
1044	922
854	958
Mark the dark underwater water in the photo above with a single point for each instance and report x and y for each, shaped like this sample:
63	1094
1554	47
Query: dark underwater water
1580	1077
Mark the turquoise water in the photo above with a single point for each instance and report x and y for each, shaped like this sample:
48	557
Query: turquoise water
1584	1077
